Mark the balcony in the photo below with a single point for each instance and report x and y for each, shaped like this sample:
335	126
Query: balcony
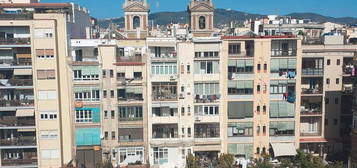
310	111
312	85
130	94
163	53
136	60
16	16
15	41
17	103
312	72
164	91
16	83
17	123
315	91
18	162
19	141
311	126
19	157
164	131
131	134
283	48
207	98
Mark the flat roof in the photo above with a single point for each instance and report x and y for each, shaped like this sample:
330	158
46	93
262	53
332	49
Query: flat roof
256	37
35	5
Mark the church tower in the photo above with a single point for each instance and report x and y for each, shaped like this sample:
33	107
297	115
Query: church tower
136	13
201	13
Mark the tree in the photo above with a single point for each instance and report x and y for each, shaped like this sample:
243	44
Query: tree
335	165
226	161
192	161
262	162
105	164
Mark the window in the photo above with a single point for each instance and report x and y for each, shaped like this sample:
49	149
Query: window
49	134
258	151
207	130
106	135
85	73
188	69
45	53
189	131
161	155
240	129
136	22
265	67
206	89
130	93
337	81
264	130
283	48
202	22
234	48
112	94
79	55
105	114
258	88
164	91
164	111
138	75
282	128
206	67
137	152
111	73
328	81
207	54
236	67
48	115
258	129
46	74
182	111
47	95
206	110
121	76
281	109
84	116
283	66
165	68
264	109
182	89
113	135
258	67
49	154
240	87
338	62
166	131
328	62
336	100
258	109
104	73
112	114
87	94
95	52
282	86
240	110
182	69
104	93
129	113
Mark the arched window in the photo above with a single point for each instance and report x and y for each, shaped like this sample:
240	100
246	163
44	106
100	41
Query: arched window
202	22
136	22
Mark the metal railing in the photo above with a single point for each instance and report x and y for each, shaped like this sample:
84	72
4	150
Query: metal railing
20	141
311	71
18	162
16	103
15	41
17	123
16	16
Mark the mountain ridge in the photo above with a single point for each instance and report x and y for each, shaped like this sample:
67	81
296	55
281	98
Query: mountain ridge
225	16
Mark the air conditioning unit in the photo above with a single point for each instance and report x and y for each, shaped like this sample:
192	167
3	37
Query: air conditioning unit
173	77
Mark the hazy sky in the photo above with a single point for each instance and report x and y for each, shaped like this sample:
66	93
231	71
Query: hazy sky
340	8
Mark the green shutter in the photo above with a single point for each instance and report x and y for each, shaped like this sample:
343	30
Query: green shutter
232	149
232	63
87	70
248	111
249	62
292	63
240	84
96	115
234	109
87	136
283	63
274	65
241	63
248	84
273	109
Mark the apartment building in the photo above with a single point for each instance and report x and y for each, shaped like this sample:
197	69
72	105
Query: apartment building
36	127
261	95
353	152
326	97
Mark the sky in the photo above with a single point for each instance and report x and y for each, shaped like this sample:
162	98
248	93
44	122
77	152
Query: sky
341	8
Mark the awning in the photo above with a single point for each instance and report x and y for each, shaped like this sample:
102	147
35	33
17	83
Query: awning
25	112
283	149
22	71
23	55
313	140
170	105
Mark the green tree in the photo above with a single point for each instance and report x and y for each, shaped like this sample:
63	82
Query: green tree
335	165
262	162
226	161
192	161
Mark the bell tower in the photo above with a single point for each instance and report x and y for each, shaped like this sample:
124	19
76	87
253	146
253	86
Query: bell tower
136	13
201	13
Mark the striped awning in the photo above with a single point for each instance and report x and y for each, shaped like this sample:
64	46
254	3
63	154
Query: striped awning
283	149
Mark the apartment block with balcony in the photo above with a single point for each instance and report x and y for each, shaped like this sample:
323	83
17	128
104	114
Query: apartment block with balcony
33	59
262	95
326	98
123	101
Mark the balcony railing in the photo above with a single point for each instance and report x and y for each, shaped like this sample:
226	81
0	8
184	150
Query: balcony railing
13	123
15	41
21	141
312	91
311	134
315	111
16	16
206	98
283	53
21	82
130	59
130	140
130	119
312	71
16	103
18	162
